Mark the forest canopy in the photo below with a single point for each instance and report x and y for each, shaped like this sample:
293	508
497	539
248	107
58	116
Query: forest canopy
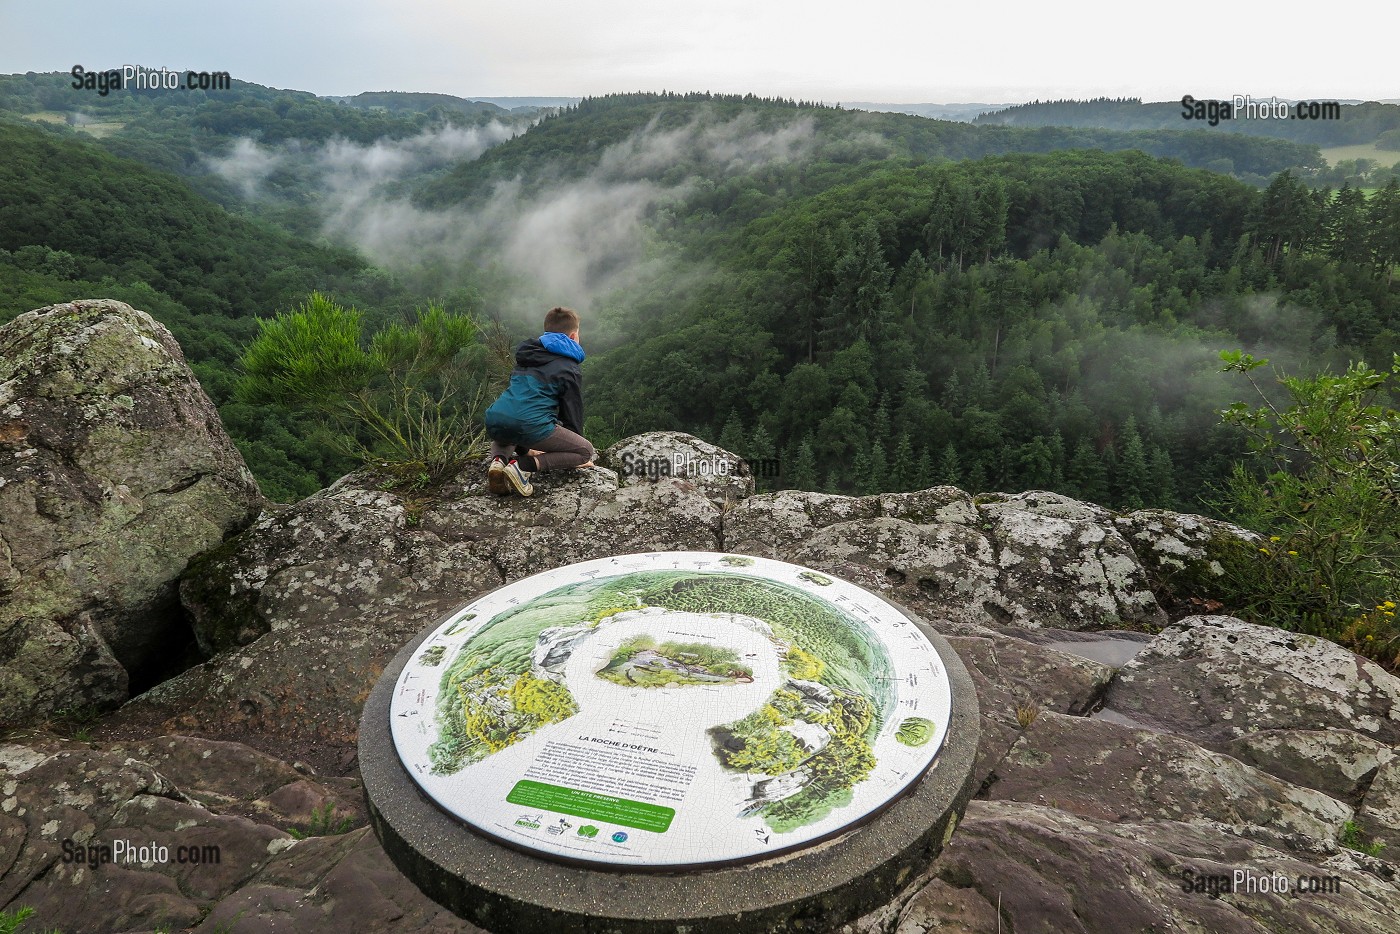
876	301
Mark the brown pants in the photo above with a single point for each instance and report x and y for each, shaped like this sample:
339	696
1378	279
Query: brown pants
562	449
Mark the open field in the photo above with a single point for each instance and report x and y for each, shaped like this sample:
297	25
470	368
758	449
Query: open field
92	129
1335	154
99	129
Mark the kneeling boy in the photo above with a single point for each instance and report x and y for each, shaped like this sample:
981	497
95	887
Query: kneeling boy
537	423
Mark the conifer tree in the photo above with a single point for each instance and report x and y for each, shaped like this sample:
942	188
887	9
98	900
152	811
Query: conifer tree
864	480
902	470
804	467
1383	219
859	303
1085	475
880	426
760	451
949	469
954	397
731	437
879	469
923	471
1131	485
976	474
1161	477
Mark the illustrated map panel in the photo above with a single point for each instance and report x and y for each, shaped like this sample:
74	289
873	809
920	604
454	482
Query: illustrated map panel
671	710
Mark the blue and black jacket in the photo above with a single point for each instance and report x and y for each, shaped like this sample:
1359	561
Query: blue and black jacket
545	389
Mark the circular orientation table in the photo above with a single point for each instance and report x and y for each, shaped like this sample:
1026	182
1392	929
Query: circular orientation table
671	741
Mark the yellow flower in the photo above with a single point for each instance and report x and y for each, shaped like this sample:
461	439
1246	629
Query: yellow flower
1275	538
1264	551
1293	553
1389	604
1370	638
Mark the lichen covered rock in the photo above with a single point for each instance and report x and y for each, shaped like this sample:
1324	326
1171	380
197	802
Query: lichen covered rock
303	610
184	829
1215	678
1029	560
1186	557
357	551
1341	763
114	472
722	476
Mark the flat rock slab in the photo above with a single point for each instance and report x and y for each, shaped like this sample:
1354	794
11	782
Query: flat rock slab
1336	762
1052	872
1110	772
1215	678
1016	680
506	890
1112	647
181	791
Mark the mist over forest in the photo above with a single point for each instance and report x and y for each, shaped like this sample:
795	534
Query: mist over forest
879	301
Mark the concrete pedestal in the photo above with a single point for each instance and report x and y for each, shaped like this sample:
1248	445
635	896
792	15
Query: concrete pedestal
818	888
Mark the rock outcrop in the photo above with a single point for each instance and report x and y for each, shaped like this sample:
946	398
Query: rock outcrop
114	472
1215	679
721	476
1133	770
180	832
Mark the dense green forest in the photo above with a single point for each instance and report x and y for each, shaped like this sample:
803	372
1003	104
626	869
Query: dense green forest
77	222
1011	323
880	301
179	132
1371	130
570	143
1359	123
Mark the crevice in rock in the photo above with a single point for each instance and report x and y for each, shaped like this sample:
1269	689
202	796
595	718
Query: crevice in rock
1000	614
1095	701
496	565
184	483
181	655
1363	786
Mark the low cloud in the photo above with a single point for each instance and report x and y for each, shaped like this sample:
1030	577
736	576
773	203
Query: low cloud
572	241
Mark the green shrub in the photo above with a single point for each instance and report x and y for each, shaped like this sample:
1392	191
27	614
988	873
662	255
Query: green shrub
12	921
325	822
408	398
1352	838
1323	486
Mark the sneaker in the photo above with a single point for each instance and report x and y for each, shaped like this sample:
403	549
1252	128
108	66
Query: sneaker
496	480
518	479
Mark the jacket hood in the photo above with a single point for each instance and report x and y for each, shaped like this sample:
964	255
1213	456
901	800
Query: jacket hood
562	344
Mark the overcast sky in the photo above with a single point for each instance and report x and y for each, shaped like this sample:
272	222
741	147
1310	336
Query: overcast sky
873	50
